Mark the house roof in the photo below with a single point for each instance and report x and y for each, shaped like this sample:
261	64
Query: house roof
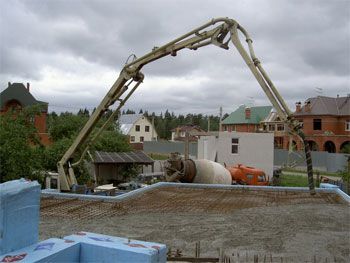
272	117
137	157
322	105
187	128
257	114
17	91
126	121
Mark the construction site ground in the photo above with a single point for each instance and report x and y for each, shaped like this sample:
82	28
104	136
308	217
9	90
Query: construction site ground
294	226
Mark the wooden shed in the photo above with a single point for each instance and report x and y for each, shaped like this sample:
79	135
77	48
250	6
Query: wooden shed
110	167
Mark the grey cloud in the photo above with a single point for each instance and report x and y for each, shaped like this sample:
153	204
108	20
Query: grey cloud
301	43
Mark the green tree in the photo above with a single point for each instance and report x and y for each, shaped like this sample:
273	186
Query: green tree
20	148
54	152
112	141
66	125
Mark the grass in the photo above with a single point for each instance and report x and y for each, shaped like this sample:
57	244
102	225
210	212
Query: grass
293	180
303	171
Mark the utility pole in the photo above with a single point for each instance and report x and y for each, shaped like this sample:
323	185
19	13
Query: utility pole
220	121
208	123
187	145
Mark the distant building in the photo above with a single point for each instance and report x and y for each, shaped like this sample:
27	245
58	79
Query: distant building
18	96
246	119
326	122
138	128
179	133
273	124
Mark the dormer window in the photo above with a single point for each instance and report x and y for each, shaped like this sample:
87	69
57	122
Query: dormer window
347	125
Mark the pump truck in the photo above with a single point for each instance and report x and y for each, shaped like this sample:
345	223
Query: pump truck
219	32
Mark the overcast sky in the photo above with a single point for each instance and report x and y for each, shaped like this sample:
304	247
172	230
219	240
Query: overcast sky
72	51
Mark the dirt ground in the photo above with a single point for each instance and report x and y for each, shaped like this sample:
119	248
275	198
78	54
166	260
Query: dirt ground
292	226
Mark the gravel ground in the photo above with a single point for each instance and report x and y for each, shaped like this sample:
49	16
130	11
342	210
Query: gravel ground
298	231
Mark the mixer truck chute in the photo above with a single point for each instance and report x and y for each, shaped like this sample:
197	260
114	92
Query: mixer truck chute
219	32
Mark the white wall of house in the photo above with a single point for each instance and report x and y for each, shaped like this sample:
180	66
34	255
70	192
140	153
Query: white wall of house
251	149
143	130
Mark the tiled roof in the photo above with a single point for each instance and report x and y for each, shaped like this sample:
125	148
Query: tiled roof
257	114
137	157
17	91
322	105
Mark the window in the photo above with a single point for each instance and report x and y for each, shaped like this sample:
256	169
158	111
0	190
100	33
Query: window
261	178
317	124
280	127
137	128
301	124
271	127
234	148
347	125
250	177
146	128
142	139
132	138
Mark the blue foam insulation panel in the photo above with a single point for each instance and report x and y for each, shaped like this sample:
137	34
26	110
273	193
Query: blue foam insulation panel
103	248
50	250
19	214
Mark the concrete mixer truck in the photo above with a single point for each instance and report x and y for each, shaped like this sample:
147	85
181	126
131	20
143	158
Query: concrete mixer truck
219	32
208	172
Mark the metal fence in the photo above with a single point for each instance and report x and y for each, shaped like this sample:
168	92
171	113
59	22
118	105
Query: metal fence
323	161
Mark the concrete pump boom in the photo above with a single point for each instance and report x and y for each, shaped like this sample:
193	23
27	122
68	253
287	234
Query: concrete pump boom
218	32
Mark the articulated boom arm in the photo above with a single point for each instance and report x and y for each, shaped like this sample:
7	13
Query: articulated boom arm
218	32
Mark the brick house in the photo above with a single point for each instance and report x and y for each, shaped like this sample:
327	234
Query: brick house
246	119
326	123
18	96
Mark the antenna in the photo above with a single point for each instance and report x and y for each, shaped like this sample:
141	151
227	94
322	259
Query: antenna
319	90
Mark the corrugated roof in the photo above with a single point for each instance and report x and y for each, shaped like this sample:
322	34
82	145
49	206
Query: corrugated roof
126	121
322	105
257	114
17	91
137	157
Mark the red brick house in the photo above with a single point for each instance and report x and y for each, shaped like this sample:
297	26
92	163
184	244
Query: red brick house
18	96
326	123
246	119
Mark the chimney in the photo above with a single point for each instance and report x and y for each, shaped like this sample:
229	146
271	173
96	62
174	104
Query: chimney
247	113
307	106
28	86
8	84
298	106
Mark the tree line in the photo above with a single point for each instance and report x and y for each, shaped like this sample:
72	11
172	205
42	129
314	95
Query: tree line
23	155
